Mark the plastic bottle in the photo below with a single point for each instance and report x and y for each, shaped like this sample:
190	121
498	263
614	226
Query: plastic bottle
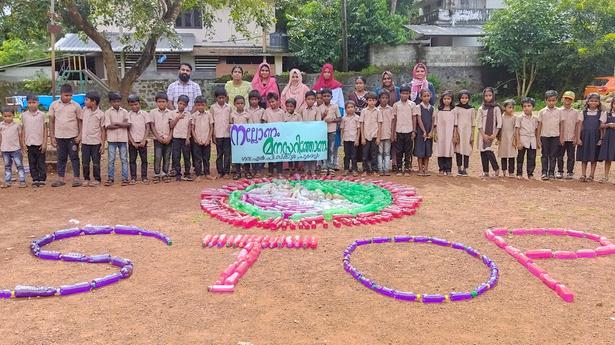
221	288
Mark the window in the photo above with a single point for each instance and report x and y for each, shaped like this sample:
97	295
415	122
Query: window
189	19
247	60
203	63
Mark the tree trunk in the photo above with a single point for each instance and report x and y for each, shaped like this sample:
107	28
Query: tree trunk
393	7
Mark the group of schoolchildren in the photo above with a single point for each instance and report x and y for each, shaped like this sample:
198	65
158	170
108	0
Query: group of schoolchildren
414	129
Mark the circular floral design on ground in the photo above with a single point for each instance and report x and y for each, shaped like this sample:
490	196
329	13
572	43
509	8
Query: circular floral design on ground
414	297
290	204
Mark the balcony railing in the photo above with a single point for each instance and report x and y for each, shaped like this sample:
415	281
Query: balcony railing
455	17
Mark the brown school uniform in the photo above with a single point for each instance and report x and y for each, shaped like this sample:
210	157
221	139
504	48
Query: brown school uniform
222	120
482	123
33	127
370	118
527	125
118	135
256	114
387	122
66	116
550	119
240	118
403	114
505	147
311	114
161	120
466	118
294	117
445	121
271	115
93	125
333	112
350	126
202	126
180	131
570	117
138	124
10	132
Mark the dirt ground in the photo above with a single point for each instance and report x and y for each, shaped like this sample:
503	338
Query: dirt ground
304	296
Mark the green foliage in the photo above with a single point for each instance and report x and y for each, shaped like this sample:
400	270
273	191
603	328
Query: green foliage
40	85
315	31
15	50
434	80
24	19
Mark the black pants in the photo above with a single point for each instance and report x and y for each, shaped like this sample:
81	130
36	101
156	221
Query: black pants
550	150
181	149
141	152
404	145
223	159
200	158
370	156
91	153
445	164
462	160
567	149
162	153
531	161
36	160
350	154
487	157
67	148
508	164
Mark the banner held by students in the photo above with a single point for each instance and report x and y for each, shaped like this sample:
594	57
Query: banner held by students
279	142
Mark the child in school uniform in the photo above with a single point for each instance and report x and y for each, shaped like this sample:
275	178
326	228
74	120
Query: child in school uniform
161	129
589	141
489	124
527	138
330	113
256	116
384	148
423	144
116	125
274	114
310	112
221	112
371	128
404	123
466	120
11	146
65	133
35	139
607	149
291	115
139	121
351	132
202	128
446	133
507	148
93	136
549	128
571	125
240	116
180	124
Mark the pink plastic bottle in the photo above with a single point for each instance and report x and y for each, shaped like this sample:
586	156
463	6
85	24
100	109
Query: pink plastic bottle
232	279
213	242
221	288
564	254
206	240
539	254
564	292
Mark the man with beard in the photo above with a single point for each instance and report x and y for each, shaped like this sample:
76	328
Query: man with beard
183	86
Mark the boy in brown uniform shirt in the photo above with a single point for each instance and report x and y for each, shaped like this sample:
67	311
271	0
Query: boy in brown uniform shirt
180	124
550	132
571	127
240	116
116	125
161	129
35	139
274	114
65	133
331	115
310	112
202	131
221	112
11	144
93	137
371	127
137	135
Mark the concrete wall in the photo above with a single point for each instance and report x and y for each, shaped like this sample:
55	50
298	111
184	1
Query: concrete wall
22	73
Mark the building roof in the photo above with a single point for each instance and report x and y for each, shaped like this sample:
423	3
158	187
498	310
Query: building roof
458	30
73	43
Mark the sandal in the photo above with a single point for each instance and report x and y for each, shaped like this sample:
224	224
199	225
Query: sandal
590	179
583	178
124	183
5	185
132	182
108	183
249	176
22	185
604	180
76	183
58	183
166	179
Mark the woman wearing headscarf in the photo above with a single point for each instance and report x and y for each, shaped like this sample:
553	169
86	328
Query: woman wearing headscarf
264	83
327	80
294	89
420	82
389	85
